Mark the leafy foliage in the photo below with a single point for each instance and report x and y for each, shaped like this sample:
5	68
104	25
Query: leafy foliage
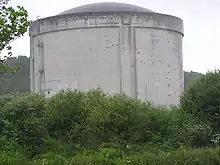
13	24
81	128
94	128
25	118
190	77
202	99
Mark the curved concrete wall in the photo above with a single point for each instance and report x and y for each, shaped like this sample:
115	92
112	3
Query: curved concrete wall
139	54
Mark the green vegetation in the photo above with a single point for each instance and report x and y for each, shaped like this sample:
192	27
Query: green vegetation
13	24
19	81
80	128
190	77
202	99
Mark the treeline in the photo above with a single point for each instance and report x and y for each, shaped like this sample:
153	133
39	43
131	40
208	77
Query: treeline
93	128
189	77
20	81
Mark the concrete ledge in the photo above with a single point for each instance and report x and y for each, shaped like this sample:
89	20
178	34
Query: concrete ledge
91	20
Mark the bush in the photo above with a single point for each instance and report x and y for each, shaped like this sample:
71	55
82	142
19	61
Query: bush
200	157
67	116
202	99
24	122
95	128
12	159
121	119
185	130
4	99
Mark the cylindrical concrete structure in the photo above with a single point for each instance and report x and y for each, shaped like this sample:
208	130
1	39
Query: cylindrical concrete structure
114	46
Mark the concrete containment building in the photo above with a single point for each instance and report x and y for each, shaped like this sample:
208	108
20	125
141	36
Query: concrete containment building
115	46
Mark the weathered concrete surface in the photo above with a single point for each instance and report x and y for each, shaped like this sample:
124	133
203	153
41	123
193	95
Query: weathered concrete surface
140	54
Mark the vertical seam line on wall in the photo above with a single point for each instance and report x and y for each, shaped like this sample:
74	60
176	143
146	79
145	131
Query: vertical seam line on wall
119	56
135	63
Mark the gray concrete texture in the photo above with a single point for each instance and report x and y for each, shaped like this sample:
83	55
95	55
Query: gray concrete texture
139	53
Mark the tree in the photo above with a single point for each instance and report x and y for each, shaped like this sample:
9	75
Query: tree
202	99
189	77
13	24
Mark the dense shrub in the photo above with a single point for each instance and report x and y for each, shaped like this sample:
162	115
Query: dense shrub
202	99
200	157
67	116
95	128
119	118
24	122
4	99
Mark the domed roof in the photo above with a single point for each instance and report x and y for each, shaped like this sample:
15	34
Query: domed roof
106	7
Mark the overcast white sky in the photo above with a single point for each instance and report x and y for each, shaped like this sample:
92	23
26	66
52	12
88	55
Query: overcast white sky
201	45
